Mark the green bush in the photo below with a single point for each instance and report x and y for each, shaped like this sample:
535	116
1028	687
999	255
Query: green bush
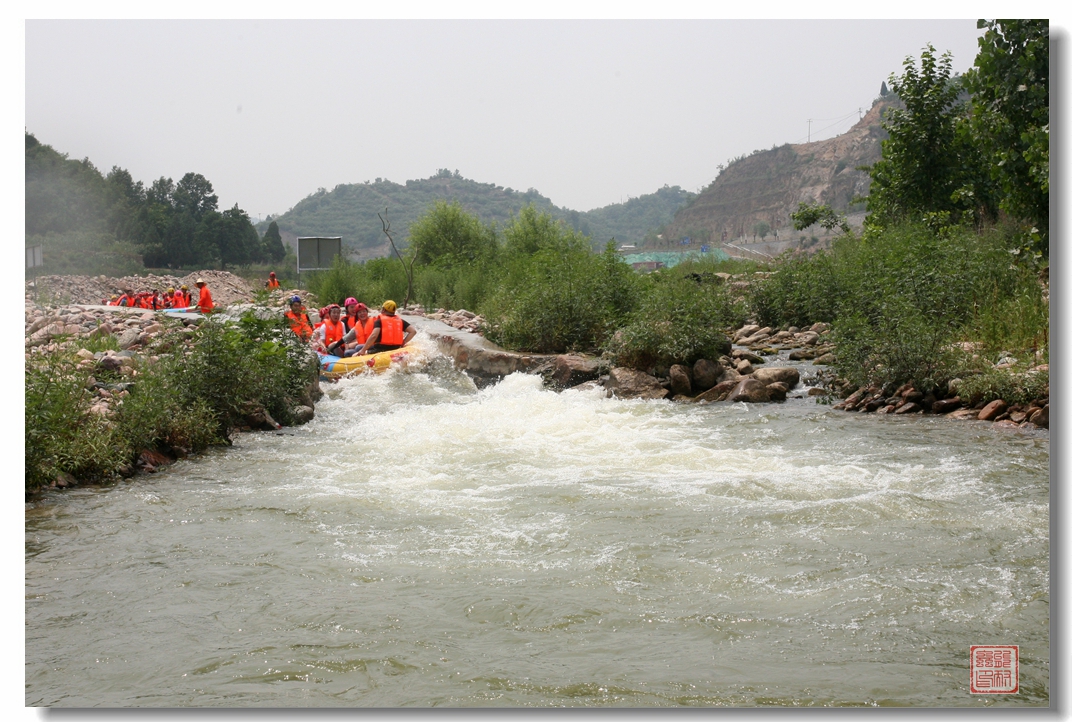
372	282
61	434
678	321
898	296
189	398
1005	384
552	294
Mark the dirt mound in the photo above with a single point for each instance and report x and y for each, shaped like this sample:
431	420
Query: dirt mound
226	287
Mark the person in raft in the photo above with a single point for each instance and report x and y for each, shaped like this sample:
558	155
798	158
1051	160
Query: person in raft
299	319
204	297
358	327
182	297
389	331
272	283
328	337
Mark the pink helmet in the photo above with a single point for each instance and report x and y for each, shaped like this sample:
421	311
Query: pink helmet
349	301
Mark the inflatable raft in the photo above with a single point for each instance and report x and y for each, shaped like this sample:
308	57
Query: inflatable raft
334	367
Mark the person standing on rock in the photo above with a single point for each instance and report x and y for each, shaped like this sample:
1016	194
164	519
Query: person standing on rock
204	298
389	331
272	283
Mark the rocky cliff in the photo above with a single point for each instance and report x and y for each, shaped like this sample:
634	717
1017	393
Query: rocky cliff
768	185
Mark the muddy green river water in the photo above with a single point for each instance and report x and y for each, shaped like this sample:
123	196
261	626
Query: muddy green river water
425	543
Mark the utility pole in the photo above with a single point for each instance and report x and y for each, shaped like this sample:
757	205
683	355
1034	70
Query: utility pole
809	130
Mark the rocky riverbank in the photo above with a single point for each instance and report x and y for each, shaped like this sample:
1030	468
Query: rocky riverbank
110	349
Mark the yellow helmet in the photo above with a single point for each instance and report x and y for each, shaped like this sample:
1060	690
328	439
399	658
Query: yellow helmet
389	306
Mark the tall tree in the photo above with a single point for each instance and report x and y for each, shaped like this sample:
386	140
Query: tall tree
931	163
447	235
193	194
1010	83
272	243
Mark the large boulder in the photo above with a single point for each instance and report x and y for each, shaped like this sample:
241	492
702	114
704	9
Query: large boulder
680	383
718	392
777	391
785	374
729	374
750	390
1041	417
570	370
632	384
705	374
992	410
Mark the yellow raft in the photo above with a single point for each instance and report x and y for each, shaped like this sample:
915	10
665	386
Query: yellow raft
334	367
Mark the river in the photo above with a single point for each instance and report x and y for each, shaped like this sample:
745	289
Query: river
425	543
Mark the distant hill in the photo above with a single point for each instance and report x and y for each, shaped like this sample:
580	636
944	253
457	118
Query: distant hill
349	210
769	184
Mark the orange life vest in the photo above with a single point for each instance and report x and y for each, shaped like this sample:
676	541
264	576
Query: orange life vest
299	324
390	330
273	283
333	331
363	330
204	300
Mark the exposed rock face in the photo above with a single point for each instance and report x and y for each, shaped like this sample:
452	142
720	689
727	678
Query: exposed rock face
770	184
750	390
770	374
631	384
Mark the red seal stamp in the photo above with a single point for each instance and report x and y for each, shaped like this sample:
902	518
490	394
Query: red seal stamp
995	669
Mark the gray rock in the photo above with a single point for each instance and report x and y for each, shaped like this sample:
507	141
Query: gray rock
786	374
944	406
750	390
729	374
632	384
718	392
129	337
680	384
743	353
744	367
302	414
1041	417
570	370
777	391
705	374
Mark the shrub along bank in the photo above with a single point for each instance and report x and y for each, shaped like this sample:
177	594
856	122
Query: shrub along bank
910	304
93	414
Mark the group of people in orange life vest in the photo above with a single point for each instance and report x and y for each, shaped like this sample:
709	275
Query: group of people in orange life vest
354	334
179	299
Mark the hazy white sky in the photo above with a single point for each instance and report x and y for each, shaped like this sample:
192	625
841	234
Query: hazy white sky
587	112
